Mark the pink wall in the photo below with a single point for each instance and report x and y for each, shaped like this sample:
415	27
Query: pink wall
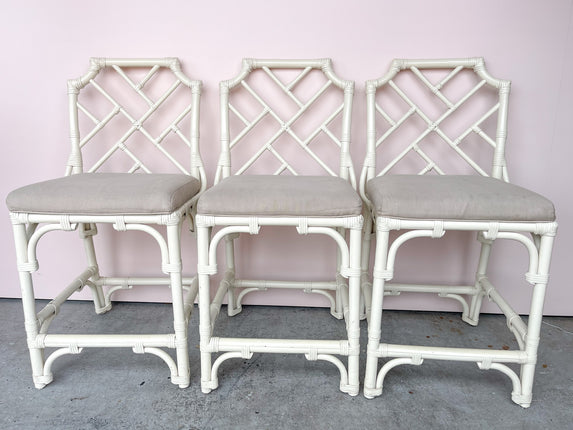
531	43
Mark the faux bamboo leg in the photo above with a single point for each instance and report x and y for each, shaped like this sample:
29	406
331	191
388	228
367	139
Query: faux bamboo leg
375	320
179	321
25	269
233	308
534	322
354	312
366	285
476	301
338	311
205	327
87	231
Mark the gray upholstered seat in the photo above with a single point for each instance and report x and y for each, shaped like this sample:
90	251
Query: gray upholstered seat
106	194
271	195
456	198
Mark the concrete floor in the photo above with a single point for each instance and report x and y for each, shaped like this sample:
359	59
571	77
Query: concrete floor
115	389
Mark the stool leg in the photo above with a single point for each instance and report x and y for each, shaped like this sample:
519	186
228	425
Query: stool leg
354	311
87	231
534	323
476	301
25	270
205	327
179	320
365	257
233	308
375	320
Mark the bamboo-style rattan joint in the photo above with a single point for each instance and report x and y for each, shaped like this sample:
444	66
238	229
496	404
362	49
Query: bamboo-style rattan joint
536	278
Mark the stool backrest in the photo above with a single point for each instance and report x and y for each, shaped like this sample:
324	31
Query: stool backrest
436	116
286	117
134	115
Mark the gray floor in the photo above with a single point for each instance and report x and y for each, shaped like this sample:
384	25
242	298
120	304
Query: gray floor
114	388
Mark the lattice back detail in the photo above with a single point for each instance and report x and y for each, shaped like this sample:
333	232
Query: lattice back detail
135	127
448	106
272	125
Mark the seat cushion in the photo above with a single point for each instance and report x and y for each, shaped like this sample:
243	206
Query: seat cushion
106	194
269	195
456	198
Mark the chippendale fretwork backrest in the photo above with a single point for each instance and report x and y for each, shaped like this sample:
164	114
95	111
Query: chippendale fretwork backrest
286	117
433	116
134	115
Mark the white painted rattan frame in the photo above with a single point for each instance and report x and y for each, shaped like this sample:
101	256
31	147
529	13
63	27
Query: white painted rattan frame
29	228
345	301
539	246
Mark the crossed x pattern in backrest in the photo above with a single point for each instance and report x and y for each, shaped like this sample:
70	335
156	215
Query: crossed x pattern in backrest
123	114
277	114
452	109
